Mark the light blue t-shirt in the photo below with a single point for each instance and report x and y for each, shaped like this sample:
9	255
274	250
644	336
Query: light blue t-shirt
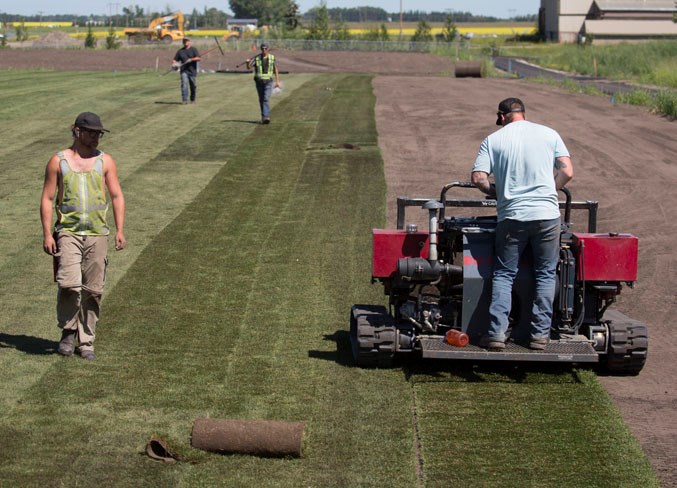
521	156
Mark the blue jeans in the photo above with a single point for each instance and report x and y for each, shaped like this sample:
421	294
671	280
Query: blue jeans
264	89
188	80
512	238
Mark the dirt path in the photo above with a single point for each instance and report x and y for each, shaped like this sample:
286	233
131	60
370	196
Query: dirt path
429	132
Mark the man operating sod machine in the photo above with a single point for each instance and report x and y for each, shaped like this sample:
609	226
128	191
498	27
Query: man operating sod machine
520	288
440	280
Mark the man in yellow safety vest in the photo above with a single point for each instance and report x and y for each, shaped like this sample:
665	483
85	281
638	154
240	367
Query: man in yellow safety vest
265	69
78	178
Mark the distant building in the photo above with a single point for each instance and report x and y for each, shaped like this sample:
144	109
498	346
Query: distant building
246	24
607	20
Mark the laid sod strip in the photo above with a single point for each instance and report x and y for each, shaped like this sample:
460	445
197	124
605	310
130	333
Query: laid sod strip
238	308
518	426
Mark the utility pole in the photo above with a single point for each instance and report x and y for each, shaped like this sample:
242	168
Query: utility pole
110	11
400	20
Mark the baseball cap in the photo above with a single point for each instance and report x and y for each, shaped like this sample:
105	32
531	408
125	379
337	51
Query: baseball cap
264	45
507	106
89	120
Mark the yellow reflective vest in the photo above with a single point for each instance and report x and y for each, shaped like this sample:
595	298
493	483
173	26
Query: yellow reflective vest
259	74
81	206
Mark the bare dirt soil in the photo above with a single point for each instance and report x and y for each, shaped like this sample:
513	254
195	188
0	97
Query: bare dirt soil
144	58
430	126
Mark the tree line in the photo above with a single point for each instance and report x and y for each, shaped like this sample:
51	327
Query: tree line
283	13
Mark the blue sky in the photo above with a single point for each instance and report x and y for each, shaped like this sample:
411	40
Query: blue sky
497	8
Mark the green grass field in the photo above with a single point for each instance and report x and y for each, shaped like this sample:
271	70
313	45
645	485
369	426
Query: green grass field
247	244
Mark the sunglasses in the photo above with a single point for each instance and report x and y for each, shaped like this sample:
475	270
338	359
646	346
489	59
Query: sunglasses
93	132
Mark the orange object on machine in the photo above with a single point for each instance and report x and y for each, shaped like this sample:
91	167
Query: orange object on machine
456	338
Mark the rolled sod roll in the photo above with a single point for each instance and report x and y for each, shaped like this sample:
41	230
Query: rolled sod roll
468	69
159	449
266	438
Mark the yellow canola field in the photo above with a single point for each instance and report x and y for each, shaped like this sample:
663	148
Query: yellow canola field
478	31
189	33
40	24
499	31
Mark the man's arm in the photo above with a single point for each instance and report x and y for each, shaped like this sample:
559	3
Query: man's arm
110	172
564	171
250	62
49	189
481	180
277	75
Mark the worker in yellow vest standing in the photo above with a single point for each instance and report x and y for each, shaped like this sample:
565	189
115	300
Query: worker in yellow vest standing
78	178
265	69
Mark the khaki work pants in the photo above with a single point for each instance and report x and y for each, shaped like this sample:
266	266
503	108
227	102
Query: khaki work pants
81	275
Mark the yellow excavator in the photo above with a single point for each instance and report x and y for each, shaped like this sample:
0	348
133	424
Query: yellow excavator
163	29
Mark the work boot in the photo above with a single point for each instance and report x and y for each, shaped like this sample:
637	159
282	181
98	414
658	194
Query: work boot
266	121
67	343
538	343
491	344
87	355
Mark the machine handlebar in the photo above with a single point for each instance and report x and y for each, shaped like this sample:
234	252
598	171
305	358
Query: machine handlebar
402	202
447	187
469	184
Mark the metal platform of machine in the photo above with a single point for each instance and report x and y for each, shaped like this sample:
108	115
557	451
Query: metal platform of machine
556	351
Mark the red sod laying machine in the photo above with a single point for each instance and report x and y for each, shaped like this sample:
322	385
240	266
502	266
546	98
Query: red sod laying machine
440	280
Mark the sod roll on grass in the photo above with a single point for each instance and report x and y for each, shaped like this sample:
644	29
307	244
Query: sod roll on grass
468	69
265	438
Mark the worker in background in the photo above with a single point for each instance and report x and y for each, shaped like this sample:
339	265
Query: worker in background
78	178
265	69
530	163
186	60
